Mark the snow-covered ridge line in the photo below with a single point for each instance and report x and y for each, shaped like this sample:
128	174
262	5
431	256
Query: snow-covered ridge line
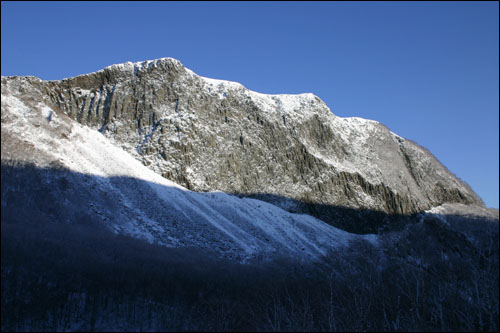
287	102
134	67
131	67
238	86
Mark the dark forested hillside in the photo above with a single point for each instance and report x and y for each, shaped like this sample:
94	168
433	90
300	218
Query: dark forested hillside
60	277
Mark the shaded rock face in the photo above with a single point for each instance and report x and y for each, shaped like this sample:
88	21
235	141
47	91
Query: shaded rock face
210	135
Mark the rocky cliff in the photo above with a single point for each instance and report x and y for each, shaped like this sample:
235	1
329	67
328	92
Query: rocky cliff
291	150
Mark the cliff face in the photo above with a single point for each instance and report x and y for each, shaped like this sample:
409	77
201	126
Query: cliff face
208	135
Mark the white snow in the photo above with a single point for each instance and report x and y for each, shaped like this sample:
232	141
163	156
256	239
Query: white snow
293	105
438	212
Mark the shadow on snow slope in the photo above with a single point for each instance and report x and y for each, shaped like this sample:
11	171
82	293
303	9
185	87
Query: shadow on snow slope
240	228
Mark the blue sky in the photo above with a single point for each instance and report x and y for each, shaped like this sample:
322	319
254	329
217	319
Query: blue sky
427	70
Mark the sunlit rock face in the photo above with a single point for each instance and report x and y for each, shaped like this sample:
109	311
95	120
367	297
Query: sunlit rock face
290	150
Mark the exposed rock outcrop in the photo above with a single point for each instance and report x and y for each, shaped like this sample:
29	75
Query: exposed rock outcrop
209	134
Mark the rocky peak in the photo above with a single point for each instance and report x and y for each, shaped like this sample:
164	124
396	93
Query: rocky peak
291	150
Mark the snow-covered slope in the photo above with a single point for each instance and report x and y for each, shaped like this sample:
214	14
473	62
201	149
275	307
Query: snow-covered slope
140	202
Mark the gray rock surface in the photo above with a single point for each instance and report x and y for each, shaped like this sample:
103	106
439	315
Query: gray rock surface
208	135
55	170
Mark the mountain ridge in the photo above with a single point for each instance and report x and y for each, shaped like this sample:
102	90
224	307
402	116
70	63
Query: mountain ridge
208	134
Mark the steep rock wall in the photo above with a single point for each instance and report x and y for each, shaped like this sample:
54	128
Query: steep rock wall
209	135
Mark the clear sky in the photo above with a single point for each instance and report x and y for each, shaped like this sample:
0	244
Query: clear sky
427	70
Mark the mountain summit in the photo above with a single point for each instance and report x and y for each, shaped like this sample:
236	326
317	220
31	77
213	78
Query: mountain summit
289	150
